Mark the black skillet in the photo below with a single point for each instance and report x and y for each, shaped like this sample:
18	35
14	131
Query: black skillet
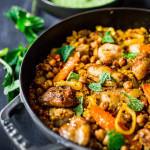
122	18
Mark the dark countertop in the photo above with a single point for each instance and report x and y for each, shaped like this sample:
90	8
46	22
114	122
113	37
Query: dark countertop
10	37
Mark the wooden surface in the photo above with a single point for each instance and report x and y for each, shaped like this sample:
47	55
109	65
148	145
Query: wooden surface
10	37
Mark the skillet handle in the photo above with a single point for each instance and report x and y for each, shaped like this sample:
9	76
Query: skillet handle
18	139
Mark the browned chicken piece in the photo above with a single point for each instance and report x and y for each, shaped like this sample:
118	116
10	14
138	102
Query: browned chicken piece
83	49
78	131
96	70
141	67
60	116
109	52
60	96
144	136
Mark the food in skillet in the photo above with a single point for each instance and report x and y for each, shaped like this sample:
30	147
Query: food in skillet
95	89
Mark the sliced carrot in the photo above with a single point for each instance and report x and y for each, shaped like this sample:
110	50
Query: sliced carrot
103	118
146	89
145	49
69	66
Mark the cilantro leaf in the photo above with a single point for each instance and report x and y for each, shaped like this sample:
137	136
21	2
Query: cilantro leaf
108	38
65	51
79	109
25	22
9	78
130	55
3	52
73	75
105	76
12	87
95	87
134	103
115	140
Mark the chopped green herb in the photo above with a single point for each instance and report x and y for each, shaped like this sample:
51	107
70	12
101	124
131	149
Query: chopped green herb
130	55
65	51
18	65
10	88
25	22
134	103
3	52
108	38
73	75
95	87
105	76
115	140
9	78
79	109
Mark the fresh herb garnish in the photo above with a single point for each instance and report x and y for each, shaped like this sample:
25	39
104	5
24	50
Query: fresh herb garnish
97	87
3	52
65	51
115	140
133	102
9	78
108	38
25	22
130	55
79	109
105	76
73	75
28	24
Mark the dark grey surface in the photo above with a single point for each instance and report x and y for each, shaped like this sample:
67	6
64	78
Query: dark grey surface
10	37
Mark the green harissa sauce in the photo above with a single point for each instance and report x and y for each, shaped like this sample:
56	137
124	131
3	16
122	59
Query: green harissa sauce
81	3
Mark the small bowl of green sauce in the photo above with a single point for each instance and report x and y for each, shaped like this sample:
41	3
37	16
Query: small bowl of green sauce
66	8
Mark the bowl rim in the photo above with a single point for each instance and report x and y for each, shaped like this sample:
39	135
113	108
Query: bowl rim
96	7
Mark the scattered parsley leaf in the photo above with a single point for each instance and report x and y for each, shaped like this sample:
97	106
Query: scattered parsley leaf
65	51
10	88
108	38
115	140
9	78
95	87
134	103
105	76
79	109
25	22
3	52
130	55
73	75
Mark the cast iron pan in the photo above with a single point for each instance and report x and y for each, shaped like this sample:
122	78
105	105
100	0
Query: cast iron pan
63	12
122	18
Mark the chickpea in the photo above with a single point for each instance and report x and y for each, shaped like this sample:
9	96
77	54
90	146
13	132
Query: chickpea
148	109
93	59
99	62
47	84
39	91
52	62
122	61
94	44
124	148
140	120
81	40
49	75
82	79
46	67
104	105
128	85
100	134
55	70
85	58
105	140
127	116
